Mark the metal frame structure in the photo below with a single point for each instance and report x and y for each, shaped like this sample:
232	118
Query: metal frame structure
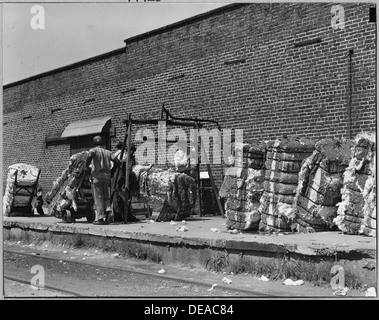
28	191
166	116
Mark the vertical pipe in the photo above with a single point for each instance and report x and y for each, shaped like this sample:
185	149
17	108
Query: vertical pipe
198	170
350	103
127	172
119	168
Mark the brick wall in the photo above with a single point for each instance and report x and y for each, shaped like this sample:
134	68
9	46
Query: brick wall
238	66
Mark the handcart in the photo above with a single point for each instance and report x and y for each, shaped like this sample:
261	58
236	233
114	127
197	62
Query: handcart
76	200
21	189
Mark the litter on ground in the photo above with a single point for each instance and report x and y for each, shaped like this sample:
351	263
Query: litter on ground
213	286
289	282
263	278
370	292
341	292
162	271
226	280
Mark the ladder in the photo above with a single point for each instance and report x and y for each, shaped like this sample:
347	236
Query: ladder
213	184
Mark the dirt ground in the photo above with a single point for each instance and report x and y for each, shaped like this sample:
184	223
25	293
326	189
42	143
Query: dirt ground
16	289
70	278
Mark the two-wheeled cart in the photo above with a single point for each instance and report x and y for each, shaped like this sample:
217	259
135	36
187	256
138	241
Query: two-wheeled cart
24	191
76	200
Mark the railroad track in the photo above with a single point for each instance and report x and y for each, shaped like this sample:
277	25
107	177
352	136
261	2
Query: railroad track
53	288
120	270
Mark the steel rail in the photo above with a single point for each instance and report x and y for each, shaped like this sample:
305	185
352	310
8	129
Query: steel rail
17	279
249	293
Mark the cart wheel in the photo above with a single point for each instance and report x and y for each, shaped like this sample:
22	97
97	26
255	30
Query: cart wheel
66	216
128	212
149	212
30	210
40	211
110	218
91	215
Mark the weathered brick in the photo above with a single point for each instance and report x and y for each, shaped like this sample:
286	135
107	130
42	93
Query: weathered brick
277	89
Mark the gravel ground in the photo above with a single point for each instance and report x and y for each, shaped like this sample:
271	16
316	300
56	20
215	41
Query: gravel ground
14	289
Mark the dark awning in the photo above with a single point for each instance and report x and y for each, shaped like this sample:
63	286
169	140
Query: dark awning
87	127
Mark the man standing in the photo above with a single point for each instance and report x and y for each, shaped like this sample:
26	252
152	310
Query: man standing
117	154
101	179
119	195
181	159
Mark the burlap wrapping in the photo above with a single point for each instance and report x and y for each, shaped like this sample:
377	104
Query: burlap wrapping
273	223
243	186
368	227
319	190
281	177
177	189
250	154
243	200
14	197
283	164
351	217
243	220
63	194
279	188
239	182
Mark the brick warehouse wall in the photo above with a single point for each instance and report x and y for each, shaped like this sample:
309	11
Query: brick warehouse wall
238	65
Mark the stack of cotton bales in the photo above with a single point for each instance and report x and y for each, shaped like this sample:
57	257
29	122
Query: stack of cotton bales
319	187
283	164
355	201
243	186
62	193
368	227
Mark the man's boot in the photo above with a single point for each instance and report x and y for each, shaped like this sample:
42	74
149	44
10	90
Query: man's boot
129	213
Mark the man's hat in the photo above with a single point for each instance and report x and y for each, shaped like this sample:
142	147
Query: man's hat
98	141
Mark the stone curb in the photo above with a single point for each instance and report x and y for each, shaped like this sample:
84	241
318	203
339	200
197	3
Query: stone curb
194	241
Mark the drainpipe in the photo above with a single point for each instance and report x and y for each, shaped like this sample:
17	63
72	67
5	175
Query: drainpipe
350	102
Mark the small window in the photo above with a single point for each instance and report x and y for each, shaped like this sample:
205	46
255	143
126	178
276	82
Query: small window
372	15
84	143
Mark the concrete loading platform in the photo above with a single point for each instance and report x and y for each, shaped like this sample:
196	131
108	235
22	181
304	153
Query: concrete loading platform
200	238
